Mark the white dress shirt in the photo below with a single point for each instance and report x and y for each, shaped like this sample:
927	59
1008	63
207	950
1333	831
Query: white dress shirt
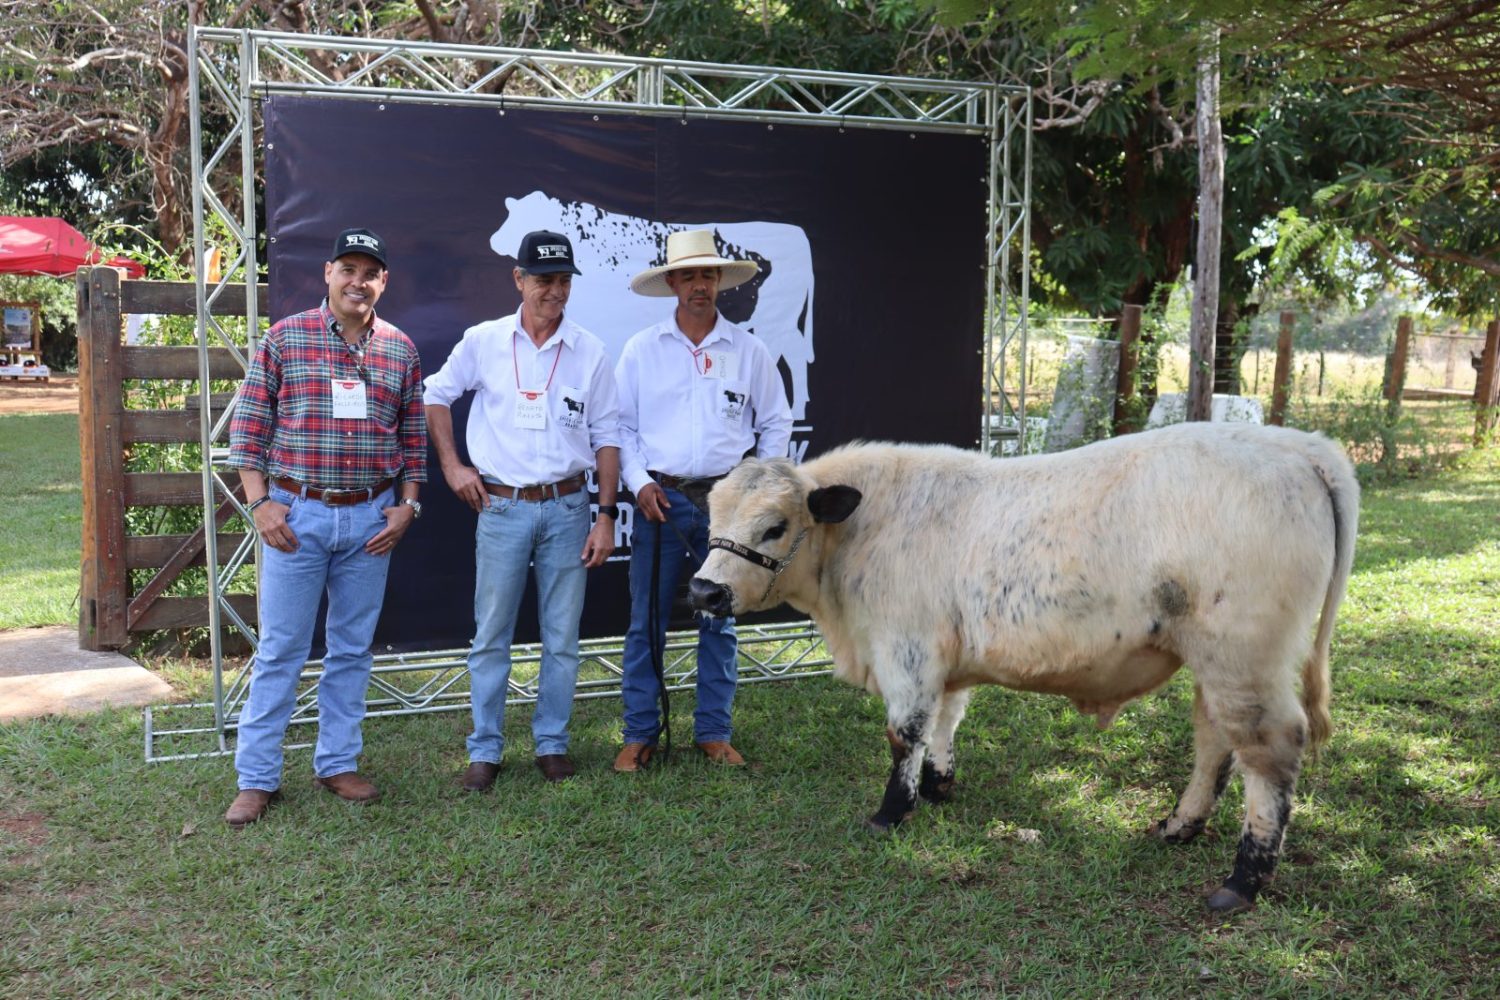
499	362
696	411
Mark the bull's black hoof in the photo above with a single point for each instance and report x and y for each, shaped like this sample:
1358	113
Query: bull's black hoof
935	787
882	824
1185	835
938	792
1226	902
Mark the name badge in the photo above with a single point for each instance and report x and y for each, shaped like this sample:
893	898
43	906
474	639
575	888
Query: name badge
531	410
348	399
721	364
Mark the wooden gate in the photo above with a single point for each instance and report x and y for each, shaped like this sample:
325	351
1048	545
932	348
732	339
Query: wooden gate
108	612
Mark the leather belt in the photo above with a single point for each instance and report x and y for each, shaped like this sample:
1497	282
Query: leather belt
675	482
546	491
333	498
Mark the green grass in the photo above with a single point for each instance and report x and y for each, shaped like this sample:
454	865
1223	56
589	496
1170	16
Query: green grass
117	878
42	502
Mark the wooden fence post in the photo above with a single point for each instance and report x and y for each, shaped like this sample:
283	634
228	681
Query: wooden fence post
1487	386
1130	351
1395	373
1282	383
101	413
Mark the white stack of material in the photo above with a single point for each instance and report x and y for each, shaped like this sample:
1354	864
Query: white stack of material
25	371
1171	408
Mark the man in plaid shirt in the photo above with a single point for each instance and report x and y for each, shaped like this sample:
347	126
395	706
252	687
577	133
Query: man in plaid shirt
330	438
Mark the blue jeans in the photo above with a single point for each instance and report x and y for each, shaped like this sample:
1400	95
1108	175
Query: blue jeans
511	535
718	667
330	557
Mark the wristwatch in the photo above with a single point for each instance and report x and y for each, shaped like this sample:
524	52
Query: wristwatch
415	505
612	509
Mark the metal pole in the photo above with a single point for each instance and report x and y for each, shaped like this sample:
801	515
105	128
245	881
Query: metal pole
205	407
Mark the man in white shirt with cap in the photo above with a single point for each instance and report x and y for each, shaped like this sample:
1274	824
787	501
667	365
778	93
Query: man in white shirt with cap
697	393
544	414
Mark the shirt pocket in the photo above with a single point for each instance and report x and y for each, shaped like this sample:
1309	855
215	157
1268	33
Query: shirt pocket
383	390
730	401
571	409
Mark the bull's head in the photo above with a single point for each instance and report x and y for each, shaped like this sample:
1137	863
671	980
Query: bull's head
759	517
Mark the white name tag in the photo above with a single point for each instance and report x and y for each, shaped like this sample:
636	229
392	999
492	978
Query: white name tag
348	399
531	410
721	364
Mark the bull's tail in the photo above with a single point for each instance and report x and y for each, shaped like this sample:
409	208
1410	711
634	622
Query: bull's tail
1337	473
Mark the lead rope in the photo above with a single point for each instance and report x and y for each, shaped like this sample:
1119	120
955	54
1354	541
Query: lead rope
658	642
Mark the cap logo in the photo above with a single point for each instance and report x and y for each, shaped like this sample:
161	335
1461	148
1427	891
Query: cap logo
547	251
356	239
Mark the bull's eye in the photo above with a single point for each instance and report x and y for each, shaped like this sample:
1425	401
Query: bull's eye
774	532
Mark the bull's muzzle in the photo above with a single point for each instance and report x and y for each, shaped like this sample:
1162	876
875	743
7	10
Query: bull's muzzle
712	598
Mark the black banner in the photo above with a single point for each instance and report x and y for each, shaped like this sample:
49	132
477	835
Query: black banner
871	292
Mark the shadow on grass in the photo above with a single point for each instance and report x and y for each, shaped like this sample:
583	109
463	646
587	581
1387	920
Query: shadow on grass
1423	518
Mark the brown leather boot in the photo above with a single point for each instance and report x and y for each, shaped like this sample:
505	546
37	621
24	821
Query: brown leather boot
633	757
720	752
349	786
480	777
556	767
249	806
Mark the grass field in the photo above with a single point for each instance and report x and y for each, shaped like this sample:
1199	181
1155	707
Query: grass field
117	878
42	503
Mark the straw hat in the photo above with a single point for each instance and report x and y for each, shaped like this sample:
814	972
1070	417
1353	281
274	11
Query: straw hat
692	248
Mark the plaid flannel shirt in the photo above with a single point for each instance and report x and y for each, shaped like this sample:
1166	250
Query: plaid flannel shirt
284	425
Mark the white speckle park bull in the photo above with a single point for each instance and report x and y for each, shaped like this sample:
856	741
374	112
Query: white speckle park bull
1093	574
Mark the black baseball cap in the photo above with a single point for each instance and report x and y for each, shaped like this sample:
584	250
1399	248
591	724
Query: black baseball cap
544	252
359	241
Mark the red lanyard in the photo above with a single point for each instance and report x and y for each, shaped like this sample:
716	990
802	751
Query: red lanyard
516	365
696	355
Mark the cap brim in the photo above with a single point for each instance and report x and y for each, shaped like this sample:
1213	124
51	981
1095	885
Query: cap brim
364	253
551	269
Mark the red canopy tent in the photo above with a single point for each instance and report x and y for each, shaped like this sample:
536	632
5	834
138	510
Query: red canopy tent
51	246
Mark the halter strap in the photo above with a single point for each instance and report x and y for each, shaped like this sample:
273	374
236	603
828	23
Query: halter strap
776	566
758	558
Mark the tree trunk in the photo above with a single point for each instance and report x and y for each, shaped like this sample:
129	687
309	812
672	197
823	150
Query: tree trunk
161	147
1210	226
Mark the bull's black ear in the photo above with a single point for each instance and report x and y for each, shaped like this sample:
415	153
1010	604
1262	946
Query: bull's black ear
697	491
832	504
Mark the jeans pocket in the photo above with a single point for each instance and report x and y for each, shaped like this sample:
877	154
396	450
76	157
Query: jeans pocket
575	501
498	505
286	498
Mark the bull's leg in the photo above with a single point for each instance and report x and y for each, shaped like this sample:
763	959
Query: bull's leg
911	714
1212	764
936	781
1267	735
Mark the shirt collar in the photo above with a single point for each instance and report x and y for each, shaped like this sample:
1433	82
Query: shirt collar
564	334
720	331
332	325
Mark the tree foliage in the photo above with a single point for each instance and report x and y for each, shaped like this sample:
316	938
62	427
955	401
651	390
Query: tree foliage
1370	119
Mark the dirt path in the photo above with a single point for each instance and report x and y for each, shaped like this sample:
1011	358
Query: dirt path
59	394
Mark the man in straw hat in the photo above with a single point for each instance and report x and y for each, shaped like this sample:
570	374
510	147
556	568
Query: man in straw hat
544	414
697	393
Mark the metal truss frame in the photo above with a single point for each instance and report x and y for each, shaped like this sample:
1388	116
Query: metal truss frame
230	71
